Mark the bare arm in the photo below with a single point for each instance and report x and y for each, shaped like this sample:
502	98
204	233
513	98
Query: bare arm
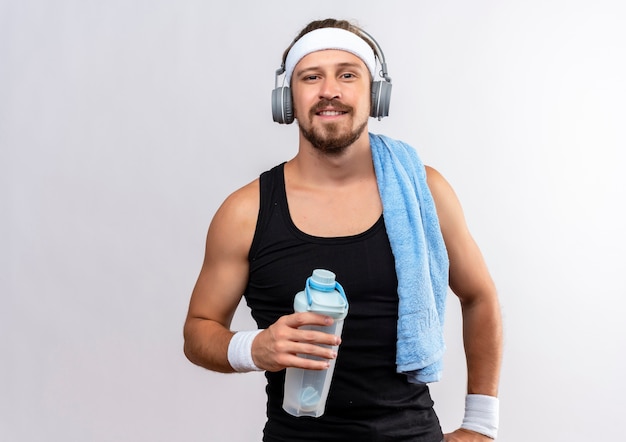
218	291
222	281
471	282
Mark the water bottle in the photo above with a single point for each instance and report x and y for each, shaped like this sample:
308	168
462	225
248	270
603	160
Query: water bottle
306	390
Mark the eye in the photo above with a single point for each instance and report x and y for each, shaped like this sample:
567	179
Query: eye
348	76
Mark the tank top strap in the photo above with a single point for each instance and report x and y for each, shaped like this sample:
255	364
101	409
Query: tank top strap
271	195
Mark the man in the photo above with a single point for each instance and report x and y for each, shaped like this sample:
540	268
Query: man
323	209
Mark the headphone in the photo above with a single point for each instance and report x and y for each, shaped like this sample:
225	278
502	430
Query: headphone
282	102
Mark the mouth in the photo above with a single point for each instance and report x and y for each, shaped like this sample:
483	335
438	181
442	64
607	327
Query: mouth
331	113
330	109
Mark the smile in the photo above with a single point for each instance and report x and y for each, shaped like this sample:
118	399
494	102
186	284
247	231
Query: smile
330	113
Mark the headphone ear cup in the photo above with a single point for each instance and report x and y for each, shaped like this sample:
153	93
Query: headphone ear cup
282	109
381	98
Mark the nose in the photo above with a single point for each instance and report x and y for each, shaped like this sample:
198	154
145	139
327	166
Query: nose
330	88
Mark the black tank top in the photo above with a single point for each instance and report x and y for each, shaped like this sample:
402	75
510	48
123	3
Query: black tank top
368	400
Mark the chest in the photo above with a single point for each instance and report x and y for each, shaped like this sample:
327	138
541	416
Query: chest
335	212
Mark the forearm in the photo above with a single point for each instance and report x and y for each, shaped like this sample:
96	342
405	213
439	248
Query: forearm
482	335
206	344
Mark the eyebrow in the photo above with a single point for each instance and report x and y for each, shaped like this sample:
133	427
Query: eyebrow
345	64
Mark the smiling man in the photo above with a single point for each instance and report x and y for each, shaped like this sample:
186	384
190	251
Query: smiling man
391	229
331	94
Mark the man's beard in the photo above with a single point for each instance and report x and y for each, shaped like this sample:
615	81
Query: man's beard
329	139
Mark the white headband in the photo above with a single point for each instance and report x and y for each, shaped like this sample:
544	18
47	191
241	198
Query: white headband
329	38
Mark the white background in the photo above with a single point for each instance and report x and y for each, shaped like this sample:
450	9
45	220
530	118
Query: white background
124	124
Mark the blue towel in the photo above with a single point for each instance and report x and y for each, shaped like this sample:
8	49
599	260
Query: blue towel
420	255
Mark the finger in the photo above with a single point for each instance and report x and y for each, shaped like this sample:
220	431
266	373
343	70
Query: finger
316	337
284	332
314	351
286	360
307	363
297	320
305	343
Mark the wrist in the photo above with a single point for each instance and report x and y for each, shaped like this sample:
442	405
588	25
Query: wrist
482	414
240	351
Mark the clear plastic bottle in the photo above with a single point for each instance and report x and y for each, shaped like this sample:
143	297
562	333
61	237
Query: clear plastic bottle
306	390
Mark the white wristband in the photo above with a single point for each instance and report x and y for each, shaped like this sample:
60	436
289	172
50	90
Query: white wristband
482	414
240	351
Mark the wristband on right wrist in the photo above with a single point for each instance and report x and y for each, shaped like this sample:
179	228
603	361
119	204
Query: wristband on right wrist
240	351
482	414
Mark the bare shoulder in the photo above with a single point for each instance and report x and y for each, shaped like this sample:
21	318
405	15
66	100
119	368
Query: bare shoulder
449	210
436	182
235	220
442	192
242	203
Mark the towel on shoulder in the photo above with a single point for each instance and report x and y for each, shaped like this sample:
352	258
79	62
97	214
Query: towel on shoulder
420	256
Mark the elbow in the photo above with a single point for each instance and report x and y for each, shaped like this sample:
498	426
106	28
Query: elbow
199	346
188	350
